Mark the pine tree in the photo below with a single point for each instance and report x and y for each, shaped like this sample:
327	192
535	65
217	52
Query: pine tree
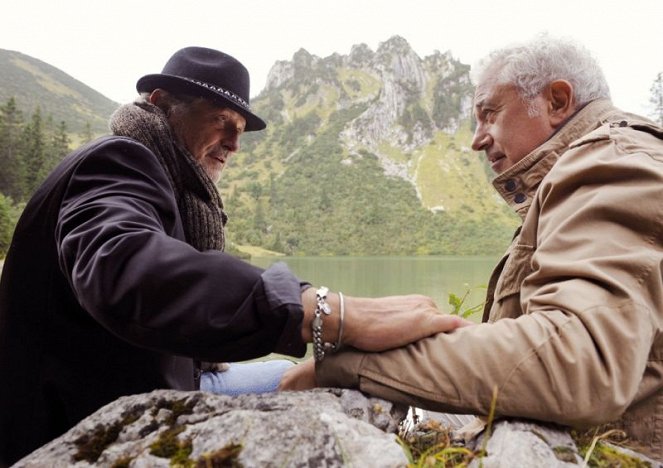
33	151
55	151
12	175
61	142
656	98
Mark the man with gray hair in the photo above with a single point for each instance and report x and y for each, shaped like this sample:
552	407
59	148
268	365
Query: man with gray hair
574	314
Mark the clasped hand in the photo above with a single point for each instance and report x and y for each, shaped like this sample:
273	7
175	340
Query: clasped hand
376	324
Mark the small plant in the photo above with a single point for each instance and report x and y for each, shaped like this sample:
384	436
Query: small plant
227	456
599	447
168	445
457	303
431	444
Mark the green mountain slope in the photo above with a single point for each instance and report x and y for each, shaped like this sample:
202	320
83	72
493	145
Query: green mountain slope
365	154
35	83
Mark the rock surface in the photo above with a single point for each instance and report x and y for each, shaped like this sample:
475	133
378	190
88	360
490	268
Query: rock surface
321	428
529	444
516	443
317	428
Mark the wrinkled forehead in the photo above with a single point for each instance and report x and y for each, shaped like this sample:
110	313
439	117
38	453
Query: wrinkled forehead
482	93
487	92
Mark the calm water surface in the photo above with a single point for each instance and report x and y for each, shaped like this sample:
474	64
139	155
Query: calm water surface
381	276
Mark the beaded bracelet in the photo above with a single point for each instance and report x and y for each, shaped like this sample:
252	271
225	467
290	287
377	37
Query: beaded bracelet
321	307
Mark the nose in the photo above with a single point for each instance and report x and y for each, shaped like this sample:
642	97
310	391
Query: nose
231	142
481	139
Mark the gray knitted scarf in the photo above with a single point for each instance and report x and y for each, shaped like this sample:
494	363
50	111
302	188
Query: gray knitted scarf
198	200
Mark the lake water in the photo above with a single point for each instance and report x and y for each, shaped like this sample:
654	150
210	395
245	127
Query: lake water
381	276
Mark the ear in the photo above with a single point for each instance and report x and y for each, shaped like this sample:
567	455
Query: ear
156	97
561	102
160	98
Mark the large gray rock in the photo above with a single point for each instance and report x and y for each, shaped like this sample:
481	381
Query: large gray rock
522	443
321	428
519	443
318	428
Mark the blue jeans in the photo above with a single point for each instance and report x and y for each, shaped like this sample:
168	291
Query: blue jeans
248	377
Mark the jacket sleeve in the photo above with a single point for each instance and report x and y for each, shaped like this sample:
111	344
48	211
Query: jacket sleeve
120	245
592	307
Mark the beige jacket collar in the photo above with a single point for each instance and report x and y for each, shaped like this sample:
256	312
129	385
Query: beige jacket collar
518	184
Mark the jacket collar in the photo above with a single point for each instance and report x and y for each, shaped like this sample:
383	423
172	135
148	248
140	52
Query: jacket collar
518	184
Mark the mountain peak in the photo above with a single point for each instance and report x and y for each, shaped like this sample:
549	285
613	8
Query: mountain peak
302	56
395	44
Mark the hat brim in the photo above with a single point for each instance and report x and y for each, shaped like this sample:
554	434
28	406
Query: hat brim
176	84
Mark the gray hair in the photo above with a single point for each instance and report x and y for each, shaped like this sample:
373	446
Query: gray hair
174	103
532	65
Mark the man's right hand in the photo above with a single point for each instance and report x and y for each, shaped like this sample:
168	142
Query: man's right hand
379	324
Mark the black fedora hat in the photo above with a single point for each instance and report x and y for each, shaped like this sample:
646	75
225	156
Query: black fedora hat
207	73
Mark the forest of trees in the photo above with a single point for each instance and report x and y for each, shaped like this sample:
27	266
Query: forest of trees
30	146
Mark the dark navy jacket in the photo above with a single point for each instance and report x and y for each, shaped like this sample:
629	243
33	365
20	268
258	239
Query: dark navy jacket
102	297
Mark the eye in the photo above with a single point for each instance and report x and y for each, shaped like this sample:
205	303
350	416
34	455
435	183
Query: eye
482	115
488	114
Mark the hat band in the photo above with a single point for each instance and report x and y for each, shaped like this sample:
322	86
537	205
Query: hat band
218	89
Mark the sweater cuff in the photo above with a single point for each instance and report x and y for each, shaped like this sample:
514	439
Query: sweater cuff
340	369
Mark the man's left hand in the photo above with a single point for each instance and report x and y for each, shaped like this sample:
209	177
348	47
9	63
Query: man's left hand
299	377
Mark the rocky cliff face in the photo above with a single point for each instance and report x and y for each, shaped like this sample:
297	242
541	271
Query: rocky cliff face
377	142
408	98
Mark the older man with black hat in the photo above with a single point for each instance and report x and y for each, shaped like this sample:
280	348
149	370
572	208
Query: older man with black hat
116	282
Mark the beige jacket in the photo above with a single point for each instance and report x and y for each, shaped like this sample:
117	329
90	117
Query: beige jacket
575	307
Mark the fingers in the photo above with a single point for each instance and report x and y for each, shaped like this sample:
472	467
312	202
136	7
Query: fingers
442	323
299	377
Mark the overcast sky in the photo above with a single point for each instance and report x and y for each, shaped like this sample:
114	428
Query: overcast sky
108	45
